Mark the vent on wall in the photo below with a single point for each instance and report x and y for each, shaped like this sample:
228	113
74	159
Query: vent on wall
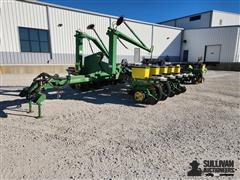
194	18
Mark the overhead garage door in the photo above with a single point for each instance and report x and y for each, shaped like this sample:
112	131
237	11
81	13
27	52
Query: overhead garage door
212	53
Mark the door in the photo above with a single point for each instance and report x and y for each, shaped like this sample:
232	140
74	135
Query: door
136	55
212	53
185	56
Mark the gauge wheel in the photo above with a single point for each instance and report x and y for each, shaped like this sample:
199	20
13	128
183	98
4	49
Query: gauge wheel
200	80
155	94
163	90
177	90
172	93
156	91
164	97
166	88
151	100
183	88
139	96
194	80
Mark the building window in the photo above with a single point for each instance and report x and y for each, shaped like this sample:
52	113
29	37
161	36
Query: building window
34	40
194	18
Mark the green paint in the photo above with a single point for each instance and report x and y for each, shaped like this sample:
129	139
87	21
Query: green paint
88	70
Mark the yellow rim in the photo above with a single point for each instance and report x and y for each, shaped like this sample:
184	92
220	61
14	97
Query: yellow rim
139	96
190	67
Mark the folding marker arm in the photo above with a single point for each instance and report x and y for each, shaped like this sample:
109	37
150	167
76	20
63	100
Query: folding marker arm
120	35
79	47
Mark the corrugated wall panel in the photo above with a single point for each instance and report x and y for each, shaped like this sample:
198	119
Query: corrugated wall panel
169	23
186	23
166	43
20	14
143	31
63	41
197	39
225	19
237	50
62	38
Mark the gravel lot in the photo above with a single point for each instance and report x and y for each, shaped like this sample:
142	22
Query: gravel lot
104	134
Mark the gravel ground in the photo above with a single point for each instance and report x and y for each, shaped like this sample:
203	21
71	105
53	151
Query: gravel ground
104	134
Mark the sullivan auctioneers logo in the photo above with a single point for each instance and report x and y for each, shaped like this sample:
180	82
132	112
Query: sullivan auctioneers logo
212	168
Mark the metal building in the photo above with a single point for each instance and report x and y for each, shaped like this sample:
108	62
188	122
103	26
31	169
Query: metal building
205	19
212	45
38	35
212	36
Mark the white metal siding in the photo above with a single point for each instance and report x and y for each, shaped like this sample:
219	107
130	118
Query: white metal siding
237	50
228	19
63	40
142	30
201	23
169	23
197	39
16	14
166	42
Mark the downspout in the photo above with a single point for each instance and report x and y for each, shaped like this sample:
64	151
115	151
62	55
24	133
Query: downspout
49	33
181	46
152	40
210	20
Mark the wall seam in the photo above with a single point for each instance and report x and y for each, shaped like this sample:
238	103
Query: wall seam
236	46
49	33
210	20
181	46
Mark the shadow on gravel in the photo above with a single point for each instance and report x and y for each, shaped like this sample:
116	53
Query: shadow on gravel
9	90
106	95
12	105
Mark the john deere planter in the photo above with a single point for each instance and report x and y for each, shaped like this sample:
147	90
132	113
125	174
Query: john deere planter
149	84
193	73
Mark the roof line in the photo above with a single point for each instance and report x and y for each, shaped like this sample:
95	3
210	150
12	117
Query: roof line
210	11
226	12
215	27
97	14
187	16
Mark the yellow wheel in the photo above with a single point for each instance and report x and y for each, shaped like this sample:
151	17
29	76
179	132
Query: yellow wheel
200	80
190	67
139	96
